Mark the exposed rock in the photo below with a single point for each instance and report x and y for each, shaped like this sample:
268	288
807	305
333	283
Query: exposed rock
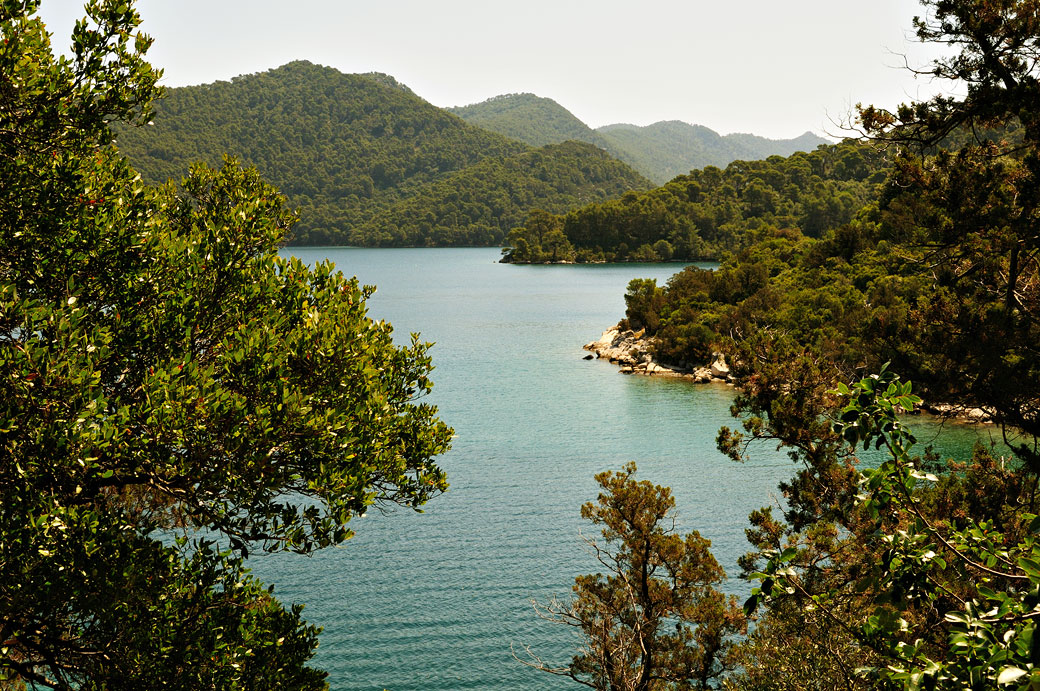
719	368
980	414
702	375
625	348
633	351
959	412
590	356
605	341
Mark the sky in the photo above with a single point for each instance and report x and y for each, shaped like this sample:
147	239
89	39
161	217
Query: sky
771	68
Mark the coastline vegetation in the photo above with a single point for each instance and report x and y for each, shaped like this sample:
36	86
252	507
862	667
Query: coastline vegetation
923	572
167	372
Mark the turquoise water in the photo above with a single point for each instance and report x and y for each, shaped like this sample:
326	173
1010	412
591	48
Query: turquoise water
437	600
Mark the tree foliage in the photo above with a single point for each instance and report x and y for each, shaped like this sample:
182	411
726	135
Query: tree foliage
654	620
164	369
918	574
946	600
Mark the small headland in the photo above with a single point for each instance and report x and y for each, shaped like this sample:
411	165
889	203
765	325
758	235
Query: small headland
632	350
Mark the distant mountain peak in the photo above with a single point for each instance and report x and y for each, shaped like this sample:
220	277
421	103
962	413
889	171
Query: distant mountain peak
669	148
532	119
659	151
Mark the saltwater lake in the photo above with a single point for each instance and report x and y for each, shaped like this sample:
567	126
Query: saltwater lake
438	600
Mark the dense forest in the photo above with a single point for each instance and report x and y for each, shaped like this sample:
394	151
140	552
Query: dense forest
711	212
347	149
659	151
913	571
481	203
369	163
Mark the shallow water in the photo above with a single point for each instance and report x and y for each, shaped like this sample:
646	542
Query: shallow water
437	600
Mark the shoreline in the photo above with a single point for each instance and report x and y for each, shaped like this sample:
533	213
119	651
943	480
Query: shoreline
630	350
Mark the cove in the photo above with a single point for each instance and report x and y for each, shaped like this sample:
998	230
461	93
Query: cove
437	600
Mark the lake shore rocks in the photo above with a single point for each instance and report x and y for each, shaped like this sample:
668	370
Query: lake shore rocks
632	351
959	413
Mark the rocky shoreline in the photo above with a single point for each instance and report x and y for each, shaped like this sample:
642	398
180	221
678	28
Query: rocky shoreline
631	350
959	413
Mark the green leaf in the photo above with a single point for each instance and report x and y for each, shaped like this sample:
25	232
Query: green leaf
1009	675
1030	566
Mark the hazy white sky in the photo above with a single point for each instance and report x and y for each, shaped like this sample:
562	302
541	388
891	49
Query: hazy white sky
763	66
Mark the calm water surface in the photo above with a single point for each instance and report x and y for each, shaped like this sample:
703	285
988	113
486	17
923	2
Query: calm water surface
437	600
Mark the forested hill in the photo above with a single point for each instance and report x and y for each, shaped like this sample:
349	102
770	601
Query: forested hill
481	203
348	148
532	119
659	151
666	149
712	212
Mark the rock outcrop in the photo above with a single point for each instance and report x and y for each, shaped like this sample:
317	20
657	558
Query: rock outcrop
960	413
633	351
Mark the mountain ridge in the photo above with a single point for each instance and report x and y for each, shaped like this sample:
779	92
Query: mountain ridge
346	148
369	162
668	148
660	151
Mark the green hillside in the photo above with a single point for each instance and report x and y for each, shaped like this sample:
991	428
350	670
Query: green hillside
480	204
659	151
531	119
666	149
710	212
344	148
